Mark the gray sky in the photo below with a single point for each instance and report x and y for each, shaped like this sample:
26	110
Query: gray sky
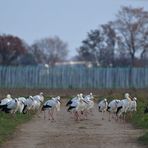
69	19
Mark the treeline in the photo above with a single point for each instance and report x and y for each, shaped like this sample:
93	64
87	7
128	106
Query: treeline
122	42
14	51
119	43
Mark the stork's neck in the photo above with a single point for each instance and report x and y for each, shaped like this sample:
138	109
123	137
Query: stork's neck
129	99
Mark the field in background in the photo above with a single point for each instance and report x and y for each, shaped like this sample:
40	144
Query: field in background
109	93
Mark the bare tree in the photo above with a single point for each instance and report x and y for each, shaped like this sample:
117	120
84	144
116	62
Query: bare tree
50	50
132	29
11	48
109	43
99	46
90	45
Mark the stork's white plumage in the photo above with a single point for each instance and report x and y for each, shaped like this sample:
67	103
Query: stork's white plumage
10	107
73	103
82	105
22	99
75	99
39	97
90	103
51	105
78	106
102	107
112	107
89	97
21	104
28	104
123	106
133	105
5	100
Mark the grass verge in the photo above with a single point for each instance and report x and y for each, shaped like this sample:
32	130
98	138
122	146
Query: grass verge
8	124
140	120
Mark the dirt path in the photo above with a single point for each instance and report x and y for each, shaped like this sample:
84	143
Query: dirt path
66	133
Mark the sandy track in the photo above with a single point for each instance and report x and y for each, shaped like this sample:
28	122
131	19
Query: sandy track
67	133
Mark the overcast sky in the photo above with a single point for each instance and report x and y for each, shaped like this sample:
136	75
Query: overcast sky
69	19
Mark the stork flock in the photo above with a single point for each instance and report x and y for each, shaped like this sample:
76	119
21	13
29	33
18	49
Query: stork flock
80	106
21	104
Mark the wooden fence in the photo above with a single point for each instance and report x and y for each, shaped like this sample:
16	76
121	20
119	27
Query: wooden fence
73	77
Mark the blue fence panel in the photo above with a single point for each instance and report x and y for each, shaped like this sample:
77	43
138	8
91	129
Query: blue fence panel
73	77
